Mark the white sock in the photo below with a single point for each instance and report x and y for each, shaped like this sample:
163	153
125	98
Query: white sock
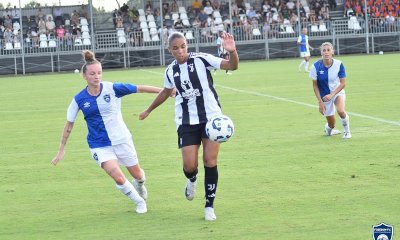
301	64
128	190
306	66
346	123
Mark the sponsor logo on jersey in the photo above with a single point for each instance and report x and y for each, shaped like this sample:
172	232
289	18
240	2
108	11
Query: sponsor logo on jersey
86	105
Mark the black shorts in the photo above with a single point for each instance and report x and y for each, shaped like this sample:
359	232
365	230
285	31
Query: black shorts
191	134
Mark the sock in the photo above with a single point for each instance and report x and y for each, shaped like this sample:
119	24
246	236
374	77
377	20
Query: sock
191	176
306	66
210	184
301	64
141	181
346	123
128	190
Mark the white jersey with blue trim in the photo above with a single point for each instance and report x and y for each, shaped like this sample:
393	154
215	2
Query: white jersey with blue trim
102	114
328	78
196	99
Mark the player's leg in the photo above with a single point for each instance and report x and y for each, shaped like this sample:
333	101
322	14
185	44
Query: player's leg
303	62
330	119
210	156
111	167
340	103
189	140
127	157
190	169
306	64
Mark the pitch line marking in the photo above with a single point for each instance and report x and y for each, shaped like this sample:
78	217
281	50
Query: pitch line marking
382	120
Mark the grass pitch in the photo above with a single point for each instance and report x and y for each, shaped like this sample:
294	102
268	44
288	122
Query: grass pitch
280	178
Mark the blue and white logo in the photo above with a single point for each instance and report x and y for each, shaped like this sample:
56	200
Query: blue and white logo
107	98
382	231
95	157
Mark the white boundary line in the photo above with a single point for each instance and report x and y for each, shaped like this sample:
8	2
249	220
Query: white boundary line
382	120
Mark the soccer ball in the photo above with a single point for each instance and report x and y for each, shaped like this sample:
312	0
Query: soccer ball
76	71
220	128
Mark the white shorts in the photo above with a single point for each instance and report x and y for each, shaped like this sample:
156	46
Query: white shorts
330	106
305	54
124	153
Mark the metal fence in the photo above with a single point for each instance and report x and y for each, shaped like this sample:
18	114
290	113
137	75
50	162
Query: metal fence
148	48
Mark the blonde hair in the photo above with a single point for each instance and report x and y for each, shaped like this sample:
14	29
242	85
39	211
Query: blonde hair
326	44
89	58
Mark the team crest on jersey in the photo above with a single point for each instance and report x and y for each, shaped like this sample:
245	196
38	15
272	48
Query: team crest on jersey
86	105
191	67
107	98
382	231
189	91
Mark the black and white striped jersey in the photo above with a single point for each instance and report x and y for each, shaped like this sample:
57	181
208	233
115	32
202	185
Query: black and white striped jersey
196	99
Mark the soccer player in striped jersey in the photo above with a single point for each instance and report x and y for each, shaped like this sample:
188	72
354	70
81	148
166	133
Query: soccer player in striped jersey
329	80
109	139
304	48
196	101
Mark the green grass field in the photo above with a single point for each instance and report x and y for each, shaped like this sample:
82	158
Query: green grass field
280	178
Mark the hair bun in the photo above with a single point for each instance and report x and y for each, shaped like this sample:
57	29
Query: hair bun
88	56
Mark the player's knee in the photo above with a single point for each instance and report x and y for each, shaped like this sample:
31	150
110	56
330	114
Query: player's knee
119	179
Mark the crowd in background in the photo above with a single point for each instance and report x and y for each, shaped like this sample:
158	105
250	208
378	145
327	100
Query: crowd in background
271	17
64	26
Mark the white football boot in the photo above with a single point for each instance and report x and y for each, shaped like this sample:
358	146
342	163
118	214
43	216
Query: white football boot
330	131
346	135
209	214
190	190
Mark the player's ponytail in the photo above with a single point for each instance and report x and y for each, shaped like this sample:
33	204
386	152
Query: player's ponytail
89	58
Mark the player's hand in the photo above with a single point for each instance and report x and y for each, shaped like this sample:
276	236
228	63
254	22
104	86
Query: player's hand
144	115
322	108
58	157
327	98
228	43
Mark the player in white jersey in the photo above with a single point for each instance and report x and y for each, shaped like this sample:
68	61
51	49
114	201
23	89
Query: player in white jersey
304	49
329	80
109	139
196	101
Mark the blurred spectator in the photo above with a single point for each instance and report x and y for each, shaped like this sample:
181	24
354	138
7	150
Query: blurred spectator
40	14
34	37
115	14
58	14
124	8
83	11
208	9
16	14
50	25
332	4
42	26
251	13
174	7
203	18
165	9
75	18
290	5
119	22
257	5
6	13
60	33
7	22
149	7
178	25
234	9
196	5
196	23
215	4
8	35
